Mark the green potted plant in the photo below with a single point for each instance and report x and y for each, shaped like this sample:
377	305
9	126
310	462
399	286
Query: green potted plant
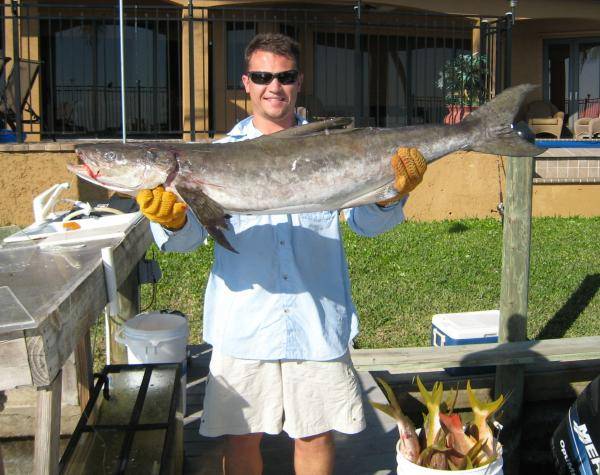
462	81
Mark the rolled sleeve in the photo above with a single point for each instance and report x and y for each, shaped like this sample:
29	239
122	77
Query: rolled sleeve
186	239
372	220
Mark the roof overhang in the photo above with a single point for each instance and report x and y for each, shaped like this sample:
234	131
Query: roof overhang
525	9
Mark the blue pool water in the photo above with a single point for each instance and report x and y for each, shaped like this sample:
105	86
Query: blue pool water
553	143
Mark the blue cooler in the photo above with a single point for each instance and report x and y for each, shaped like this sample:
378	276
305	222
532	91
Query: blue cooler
449	329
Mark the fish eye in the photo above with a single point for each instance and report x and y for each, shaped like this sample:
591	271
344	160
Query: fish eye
109	155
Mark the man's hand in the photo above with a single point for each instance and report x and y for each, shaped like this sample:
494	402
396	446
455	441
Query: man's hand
409	166
162	207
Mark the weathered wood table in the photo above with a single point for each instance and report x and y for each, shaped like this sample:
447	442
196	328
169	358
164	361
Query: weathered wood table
63	289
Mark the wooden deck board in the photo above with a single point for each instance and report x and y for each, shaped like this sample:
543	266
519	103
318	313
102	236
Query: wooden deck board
370	452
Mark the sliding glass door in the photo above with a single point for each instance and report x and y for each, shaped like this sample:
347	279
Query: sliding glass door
572	76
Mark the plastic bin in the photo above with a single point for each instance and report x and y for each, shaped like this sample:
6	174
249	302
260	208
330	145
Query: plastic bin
133	423
8	136
466	328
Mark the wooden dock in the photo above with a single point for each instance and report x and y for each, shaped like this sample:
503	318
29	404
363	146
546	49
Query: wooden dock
370	452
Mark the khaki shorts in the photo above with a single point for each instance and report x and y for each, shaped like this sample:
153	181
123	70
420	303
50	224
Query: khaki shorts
303	398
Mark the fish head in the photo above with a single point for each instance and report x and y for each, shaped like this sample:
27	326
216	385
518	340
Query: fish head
126	168
451	422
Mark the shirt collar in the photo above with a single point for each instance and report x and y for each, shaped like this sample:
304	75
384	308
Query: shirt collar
245	128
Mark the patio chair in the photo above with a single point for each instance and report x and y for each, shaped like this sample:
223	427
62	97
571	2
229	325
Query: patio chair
544	118
587	127
28	70
588	123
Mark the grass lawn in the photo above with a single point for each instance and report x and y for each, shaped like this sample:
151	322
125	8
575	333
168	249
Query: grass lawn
400	279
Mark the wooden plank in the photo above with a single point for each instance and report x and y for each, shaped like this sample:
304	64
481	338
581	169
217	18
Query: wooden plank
514	291
543	384
51	344
559	381
47	432
366	452
129	307
1	409
84	367
129	252
55	339
397	360
18	417
14	370
19	421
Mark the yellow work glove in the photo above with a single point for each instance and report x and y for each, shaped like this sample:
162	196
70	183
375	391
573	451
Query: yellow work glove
409	166
162	207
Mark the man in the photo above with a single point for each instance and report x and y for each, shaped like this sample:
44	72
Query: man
279	314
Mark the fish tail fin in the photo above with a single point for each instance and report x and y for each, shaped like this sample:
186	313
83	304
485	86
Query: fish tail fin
494	121
385	408
391	396
483	408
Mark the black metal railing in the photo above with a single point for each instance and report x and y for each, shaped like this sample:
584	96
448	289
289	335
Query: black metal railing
381	66
79	109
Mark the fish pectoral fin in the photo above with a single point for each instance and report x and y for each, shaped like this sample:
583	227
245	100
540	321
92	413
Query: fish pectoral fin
382	193
209	213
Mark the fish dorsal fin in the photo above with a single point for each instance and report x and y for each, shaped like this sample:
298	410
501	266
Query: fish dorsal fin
312	128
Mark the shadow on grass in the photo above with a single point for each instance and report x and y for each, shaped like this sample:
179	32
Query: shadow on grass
568	313
458	227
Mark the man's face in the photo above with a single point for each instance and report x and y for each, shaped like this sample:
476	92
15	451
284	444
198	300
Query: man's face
275	101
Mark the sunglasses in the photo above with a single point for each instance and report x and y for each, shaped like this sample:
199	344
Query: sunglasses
263	78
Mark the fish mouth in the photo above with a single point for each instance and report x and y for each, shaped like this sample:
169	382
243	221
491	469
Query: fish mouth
86	173
83	171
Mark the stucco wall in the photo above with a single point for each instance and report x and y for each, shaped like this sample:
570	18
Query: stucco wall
25	175
467	185
528	46
458	186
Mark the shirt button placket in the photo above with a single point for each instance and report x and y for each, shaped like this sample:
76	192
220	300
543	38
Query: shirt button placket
286	263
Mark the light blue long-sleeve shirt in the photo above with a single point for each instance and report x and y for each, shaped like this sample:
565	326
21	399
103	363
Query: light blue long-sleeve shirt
286	295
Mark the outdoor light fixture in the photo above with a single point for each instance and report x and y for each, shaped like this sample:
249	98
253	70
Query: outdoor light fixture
513	5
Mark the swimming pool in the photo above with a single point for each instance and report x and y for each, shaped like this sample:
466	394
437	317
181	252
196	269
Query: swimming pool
567	143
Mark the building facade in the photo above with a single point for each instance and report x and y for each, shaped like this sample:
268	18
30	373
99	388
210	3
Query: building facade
380	63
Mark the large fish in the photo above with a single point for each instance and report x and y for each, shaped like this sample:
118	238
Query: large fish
303	169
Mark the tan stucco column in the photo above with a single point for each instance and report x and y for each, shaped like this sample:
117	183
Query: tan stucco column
476	36
200	70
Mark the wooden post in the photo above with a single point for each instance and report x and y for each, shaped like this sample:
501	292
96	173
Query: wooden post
129	305
2	401
84	361
513	299
47	428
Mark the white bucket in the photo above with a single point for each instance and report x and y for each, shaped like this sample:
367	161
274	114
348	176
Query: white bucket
157	338
154	338
406	467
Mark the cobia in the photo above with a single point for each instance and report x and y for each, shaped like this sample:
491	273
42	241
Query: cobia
314	167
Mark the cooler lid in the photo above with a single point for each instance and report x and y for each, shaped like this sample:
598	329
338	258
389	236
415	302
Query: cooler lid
464	325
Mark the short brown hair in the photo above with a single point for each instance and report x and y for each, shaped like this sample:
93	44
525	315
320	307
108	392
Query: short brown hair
276	43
